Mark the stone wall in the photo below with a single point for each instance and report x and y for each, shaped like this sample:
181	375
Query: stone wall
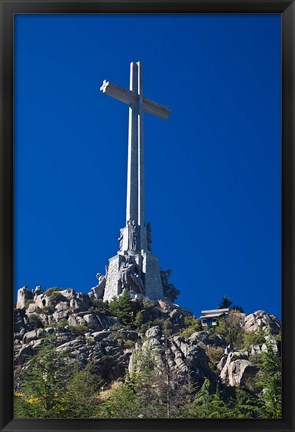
112	283
152	277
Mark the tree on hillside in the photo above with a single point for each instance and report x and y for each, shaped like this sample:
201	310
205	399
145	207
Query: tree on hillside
80	399
52	388
270	382
206	404
226	302
123	308
43	383
237	308
245	405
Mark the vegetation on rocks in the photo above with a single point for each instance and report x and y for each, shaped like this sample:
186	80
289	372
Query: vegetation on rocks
133	358
191	325
51	388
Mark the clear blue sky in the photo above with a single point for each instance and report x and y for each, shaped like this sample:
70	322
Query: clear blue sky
213	169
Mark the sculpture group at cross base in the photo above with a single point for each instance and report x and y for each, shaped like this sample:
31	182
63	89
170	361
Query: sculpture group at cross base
130	276
98	291
169	290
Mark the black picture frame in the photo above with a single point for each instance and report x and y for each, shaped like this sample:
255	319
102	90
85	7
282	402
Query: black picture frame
287	10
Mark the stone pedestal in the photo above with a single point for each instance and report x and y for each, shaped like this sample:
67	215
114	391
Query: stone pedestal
112	278
150	275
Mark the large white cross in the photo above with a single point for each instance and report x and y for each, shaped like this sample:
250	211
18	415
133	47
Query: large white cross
138	104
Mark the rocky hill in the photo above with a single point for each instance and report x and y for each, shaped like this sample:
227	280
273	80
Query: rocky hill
115	337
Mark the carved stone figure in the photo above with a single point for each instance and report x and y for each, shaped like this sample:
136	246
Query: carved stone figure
133	236
98	290
169	290
99	277
149	236
165	275
130	276
120	239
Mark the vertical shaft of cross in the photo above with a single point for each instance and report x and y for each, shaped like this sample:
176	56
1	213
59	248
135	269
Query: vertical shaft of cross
141	191
135	203
135	235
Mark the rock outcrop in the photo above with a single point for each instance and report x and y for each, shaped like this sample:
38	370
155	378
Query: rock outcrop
85	330
261	320
235	369
23	295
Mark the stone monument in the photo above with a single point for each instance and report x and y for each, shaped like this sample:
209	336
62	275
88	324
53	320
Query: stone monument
134	267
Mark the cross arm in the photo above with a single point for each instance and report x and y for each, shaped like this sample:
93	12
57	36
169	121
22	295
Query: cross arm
155	109
117	92
128	97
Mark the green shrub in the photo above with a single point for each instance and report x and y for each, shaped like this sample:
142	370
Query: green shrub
129	344
231	330
221	328
48	310
192	325
255	338
237	308
79	329
168	327
57	297
214	354
138	322
50	291
255	358
98	306
236	335
35	321
62	322
115	335
147	304
158	322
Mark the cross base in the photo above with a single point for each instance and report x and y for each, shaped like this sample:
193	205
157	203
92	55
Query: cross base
144	279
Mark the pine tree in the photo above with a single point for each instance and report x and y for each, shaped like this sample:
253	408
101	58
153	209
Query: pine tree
270	382
51	388
244	405
43	386
123	308
226	302
80	398
138	320
199	407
